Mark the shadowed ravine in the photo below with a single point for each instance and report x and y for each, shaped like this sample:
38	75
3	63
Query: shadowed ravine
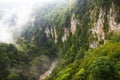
49	71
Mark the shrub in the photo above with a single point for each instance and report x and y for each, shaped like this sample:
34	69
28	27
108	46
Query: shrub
102	69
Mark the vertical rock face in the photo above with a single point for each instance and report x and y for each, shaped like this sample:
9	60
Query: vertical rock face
66	34
93	44
51	31
47	31
98	26
74	22
112	15
98	30
55	34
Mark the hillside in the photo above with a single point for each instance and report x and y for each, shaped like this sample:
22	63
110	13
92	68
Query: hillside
67	40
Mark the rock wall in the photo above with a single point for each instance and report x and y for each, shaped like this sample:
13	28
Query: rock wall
112	15
74	22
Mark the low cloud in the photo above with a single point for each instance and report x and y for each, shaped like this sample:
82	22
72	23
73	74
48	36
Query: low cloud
14	16
12	22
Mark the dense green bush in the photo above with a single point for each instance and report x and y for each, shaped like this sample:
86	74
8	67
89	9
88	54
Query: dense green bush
14	76
102	69
117	2
117	69
114	36
103	3
99	64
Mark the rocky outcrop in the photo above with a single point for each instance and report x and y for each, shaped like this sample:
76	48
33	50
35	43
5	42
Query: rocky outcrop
66	34
74	23
98	30
112	15
98	26
51	31
47	31
55	35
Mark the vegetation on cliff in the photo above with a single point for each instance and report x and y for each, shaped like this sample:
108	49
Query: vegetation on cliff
39	45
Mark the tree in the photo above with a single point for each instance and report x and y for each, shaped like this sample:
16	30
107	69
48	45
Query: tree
102	69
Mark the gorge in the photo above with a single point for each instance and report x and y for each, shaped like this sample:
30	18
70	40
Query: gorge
60	40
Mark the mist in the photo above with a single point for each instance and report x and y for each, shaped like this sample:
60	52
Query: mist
11	22
14	15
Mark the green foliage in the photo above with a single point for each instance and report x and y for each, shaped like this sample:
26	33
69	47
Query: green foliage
114	36
102	69
117	18
101	42
99	64
35	53
106	26
117	9
80	74
117	2
18	64
10	57
117	69
14	76
103	3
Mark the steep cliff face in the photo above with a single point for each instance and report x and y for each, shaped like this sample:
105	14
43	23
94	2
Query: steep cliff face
97	29
66	34
114	26
74	23
79	33
91	25
101	21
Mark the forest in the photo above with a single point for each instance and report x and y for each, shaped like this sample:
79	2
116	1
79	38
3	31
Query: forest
88	51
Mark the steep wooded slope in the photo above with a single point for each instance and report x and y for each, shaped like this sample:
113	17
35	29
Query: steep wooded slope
77	30
82	34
